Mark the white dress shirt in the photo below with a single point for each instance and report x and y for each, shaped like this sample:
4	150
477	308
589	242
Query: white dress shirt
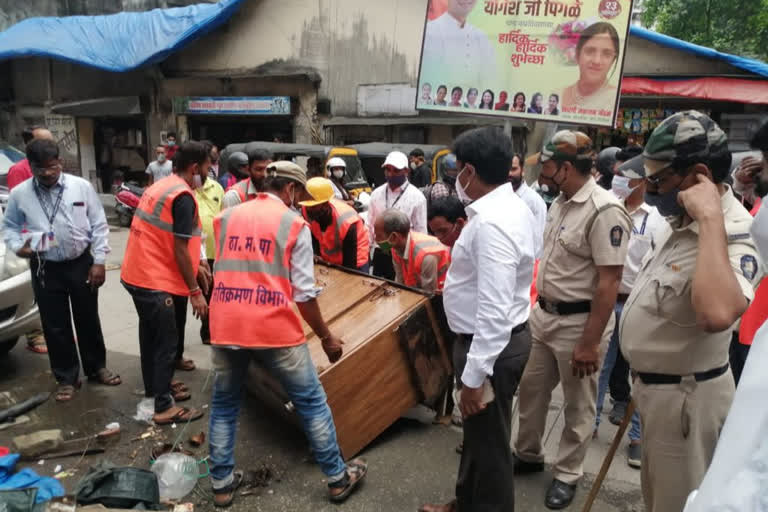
407	199
646	221
455	53
539	210
487	290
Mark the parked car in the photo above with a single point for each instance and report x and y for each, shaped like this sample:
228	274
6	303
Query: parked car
18	309
8	156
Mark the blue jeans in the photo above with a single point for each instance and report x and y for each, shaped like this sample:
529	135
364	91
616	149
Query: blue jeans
605	376
293	367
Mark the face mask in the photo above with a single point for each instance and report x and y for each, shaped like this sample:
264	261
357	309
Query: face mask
385	246
620	187
197	181
171	143
396	181
161	158
338	174
413	166
666	203
759	231
462	191
552	192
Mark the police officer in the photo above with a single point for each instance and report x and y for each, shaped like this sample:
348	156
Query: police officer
677	322
585	245
265	278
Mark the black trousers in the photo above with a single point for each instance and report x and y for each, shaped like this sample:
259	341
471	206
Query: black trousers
382	264
619	381
180	312
205	327
486	471
158	342
57	286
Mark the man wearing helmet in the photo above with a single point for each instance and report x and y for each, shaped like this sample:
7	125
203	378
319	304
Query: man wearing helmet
337	168
339	236
237	169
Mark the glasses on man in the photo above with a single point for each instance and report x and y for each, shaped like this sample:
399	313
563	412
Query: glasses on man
660	176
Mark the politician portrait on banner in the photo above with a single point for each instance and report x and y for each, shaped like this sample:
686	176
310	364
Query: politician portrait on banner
565	56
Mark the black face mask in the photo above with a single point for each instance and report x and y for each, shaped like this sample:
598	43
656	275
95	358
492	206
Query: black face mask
322	217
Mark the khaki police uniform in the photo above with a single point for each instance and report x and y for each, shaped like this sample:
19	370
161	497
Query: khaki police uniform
591	229
659	335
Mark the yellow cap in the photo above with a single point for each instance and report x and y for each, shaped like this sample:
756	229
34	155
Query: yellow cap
321	191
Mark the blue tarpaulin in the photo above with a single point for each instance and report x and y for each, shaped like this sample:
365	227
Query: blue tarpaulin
47	487
751	65
117	42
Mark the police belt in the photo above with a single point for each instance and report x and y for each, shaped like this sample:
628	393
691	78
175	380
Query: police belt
565	308
663	378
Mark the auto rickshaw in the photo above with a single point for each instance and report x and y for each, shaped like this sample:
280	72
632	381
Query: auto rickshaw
373	154
317	155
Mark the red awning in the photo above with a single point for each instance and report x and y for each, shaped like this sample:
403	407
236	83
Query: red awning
716	88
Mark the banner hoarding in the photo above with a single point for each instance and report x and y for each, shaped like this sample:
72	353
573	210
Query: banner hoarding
541	60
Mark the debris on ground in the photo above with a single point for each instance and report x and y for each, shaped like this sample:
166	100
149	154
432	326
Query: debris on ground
9	414
37	443
197	440
255	481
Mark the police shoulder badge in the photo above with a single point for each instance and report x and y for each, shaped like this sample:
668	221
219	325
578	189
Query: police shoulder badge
617	233
749	266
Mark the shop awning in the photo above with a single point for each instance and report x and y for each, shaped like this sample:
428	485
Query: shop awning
712	88
117	42
420	120
115	106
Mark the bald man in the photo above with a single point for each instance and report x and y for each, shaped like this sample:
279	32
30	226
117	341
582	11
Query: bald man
21	171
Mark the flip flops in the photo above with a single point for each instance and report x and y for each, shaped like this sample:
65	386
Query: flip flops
183	415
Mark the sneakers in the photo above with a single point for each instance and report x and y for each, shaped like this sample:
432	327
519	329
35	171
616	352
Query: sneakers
635	455
618	412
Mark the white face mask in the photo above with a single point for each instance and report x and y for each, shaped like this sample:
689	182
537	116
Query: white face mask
338	174
161	158
413	166
462	191
759	231
197	181
620	187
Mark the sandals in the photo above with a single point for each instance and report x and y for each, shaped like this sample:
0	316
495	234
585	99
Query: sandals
66	392
37	345
106	377
183	415
225	496
356	471
180	395
177	385
185	365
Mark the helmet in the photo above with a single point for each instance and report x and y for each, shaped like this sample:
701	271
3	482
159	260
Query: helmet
336	162
606	160
236	160
321	191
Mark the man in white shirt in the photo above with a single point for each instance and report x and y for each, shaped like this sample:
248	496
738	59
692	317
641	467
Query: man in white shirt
629	186
455	50
160	168
487	301
531	198
397	193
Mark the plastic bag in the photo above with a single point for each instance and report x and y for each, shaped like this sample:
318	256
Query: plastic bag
177	475
145	410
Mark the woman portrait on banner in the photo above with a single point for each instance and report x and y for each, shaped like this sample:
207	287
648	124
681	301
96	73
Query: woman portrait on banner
597	55
471	98
502	104
536	107
442	90
486	100
518	103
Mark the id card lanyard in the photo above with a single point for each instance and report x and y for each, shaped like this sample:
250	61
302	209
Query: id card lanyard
386	196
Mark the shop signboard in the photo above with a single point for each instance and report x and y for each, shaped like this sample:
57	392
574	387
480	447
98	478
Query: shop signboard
64	132
541	60
241	106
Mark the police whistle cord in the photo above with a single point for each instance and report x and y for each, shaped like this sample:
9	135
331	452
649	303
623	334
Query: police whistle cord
598	483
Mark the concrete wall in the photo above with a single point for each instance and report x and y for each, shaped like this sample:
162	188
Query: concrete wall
348	42
647	58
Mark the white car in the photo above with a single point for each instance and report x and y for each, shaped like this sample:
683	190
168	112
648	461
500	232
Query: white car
18	309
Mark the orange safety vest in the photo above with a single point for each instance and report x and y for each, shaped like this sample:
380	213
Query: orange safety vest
420	246
241	187
332	239
252	285
149	258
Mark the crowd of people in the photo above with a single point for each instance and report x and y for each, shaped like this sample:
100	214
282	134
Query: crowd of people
633	282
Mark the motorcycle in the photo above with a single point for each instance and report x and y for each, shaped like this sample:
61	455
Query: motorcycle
127	200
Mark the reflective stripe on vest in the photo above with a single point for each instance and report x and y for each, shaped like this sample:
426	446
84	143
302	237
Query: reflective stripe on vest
252	276
241	187
149	261
422	245
331	240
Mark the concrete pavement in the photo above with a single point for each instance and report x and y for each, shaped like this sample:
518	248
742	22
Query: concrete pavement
411	462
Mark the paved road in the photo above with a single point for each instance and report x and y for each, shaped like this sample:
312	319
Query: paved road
411	462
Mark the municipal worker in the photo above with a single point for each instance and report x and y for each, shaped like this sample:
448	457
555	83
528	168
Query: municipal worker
162	266
337	169
339	235
585	246
265	277
420	261
209	197
676	326
245	190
